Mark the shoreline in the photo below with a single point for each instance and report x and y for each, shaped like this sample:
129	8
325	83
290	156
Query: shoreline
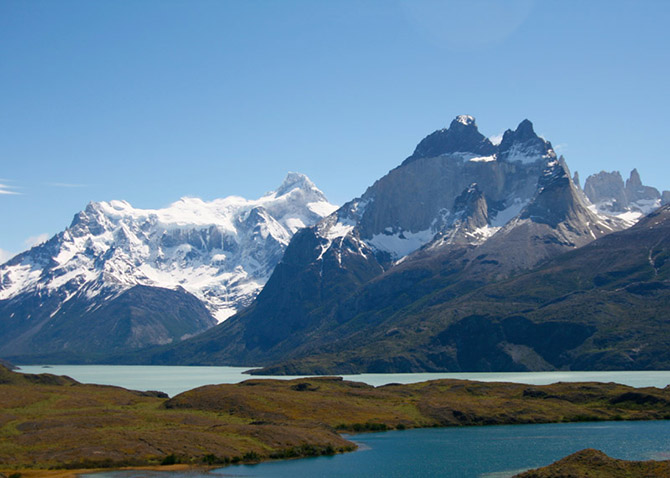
77	472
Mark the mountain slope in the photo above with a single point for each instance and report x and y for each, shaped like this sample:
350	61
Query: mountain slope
603	306
168	273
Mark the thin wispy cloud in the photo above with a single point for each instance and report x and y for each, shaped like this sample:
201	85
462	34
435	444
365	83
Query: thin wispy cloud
7	189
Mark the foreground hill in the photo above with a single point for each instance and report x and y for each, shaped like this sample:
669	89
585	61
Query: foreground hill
56	422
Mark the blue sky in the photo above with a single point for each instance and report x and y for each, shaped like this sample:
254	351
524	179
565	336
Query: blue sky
149	101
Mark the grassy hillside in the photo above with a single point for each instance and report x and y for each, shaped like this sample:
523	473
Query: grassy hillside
55	422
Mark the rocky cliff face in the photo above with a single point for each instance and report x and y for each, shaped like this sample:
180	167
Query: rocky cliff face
405	209
607	189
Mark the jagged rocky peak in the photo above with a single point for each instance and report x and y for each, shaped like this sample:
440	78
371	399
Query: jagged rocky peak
634	181
556	200
575	179
297	181
524	145
471	207
463	140
468	223
665	198
636	191
415	202
462	136
88	221
465	120
557	219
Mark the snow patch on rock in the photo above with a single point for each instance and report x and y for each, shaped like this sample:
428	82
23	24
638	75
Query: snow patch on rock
401	244
510	212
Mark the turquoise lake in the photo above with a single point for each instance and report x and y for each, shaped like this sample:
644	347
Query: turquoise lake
174	379
471	452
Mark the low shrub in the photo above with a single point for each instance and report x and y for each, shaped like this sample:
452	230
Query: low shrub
251	456
171	459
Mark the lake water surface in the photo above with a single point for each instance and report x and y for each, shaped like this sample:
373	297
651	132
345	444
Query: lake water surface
175	379
469	452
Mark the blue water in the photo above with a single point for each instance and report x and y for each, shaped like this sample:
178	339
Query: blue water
471	452
175	379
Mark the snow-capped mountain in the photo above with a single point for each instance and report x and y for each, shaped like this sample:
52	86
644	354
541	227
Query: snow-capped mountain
448	192
221	252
